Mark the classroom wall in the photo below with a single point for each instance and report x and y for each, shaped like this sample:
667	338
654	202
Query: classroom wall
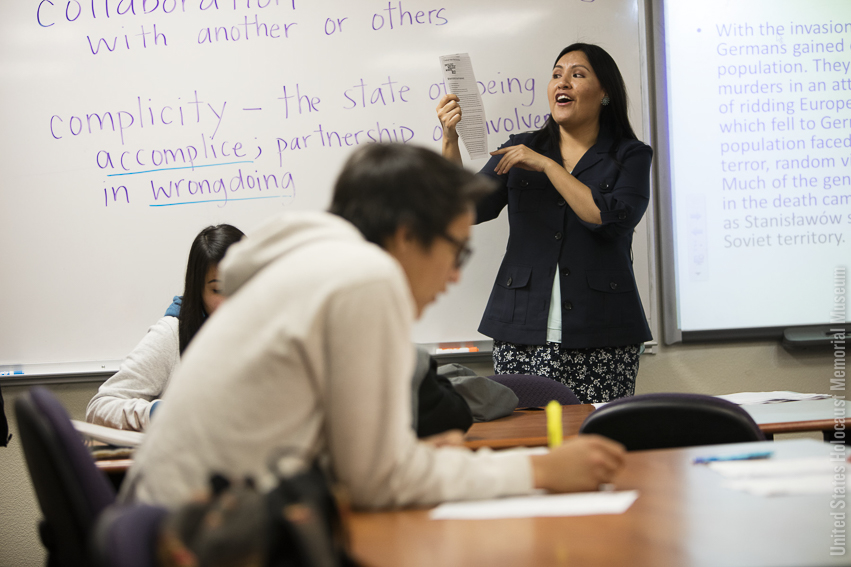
724	368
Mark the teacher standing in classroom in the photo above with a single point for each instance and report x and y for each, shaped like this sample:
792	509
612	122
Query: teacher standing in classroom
565	303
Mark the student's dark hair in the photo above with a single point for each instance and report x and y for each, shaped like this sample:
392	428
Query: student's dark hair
207	250
385	186
614	118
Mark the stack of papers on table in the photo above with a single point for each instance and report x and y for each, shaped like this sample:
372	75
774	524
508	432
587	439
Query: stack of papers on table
109	435
747	398
773	477
752	398
580	504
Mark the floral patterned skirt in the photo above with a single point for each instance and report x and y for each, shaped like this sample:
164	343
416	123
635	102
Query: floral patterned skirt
594	374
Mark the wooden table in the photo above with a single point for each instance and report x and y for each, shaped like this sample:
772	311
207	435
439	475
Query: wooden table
524	428
528	428
682	518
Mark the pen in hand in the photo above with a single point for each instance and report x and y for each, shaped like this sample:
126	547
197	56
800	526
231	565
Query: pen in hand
554	431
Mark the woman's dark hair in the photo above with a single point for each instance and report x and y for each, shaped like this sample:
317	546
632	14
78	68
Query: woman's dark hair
385	186
614	118
207	250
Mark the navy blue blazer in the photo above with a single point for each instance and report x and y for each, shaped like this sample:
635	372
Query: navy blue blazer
600	302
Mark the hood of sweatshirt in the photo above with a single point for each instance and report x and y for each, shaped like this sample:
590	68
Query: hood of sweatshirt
275	239
174	309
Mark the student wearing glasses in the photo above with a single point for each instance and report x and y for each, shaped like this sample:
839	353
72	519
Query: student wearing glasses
311	353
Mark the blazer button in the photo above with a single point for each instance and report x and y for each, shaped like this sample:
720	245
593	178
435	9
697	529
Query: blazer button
567	305
613	285
604	185
622	215
561	202
509	282
524	183
566	272
558	236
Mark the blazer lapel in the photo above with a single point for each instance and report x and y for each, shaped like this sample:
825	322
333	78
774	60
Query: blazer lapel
594	154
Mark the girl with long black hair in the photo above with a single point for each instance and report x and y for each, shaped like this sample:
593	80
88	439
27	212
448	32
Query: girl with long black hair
130	396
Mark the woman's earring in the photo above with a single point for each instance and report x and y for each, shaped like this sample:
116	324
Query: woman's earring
606	100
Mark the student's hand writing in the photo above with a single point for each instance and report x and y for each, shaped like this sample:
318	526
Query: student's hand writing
580	464
449	114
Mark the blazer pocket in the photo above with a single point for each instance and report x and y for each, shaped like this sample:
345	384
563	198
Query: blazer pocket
613	298
510	296
525	192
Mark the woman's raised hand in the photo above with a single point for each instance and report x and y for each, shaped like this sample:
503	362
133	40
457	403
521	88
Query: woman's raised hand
449	114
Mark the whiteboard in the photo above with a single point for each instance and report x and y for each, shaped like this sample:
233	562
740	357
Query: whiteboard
129	125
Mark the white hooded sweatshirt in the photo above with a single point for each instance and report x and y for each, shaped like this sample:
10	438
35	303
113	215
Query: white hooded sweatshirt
311	351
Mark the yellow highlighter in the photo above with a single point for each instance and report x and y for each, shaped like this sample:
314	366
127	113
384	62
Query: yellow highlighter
554	424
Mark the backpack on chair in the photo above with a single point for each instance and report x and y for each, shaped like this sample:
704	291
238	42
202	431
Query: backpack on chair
296	524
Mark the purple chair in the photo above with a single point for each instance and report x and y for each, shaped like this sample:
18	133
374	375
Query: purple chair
71	491
536	391
663	421
126	536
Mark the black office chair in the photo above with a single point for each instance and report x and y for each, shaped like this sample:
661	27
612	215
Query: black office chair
536	391
4	425
71	491
662	421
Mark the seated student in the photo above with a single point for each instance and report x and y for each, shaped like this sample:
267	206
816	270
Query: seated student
311	353
129	397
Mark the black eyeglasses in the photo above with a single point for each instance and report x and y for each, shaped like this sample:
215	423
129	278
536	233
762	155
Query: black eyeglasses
463	250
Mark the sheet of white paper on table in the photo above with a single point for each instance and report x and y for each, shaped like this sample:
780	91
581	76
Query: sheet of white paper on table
784	486
747	398
773	468
580	504
461	81
775	477
751	398
116	437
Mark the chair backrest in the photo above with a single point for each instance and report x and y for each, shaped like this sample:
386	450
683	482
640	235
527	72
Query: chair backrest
126	536
668	420
536	391
71	491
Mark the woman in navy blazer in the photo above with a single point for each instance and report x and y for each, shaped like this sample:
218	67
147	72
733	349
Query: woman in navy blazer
565	303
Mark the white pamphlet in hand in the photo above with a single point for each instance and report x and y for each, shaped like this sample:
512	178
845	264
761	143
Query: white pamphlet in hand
460	80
